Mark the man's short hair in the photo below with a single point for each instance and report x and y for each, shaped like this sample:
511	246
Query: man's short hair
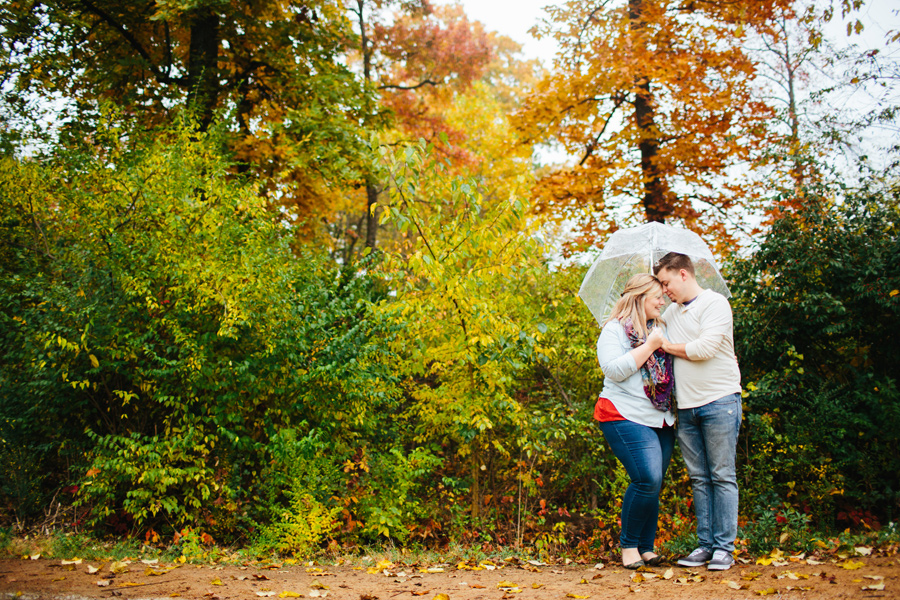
675	262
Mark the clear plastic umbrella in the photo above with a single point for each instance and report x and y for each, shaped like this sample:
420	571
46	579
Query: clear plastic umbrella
635	250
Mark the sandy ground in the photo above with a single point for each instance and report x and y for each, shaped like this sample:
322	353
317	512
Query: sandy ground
856	577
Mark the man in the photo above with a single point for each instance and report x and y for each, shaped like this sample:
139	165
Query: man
708	385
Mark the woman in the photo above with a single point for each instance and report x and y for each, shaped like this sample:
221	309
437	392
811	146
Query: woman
635	410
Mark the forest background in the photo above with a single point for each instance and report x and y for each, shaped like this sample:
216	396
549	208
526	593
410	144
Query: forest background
293	276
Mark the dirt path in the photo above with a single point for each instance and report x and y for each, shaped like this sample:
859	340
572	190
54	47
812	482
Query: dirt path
50	579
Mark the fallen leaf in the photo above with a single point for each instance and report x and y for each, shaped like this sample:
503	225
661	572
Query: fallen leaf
287	594
103	582
419	593
265	594
812	561
259	577
853	565
875	587
317	586
599	566
737	586
583	581
750	576
433	570
217	581
863	550
441	597
150	561
536	586
317	593
791	575
128	584
74	561
59	578
766	592
875	577
118	566
669	573
576	596
506	584
91	569
637	578
764	561
34	556
537	563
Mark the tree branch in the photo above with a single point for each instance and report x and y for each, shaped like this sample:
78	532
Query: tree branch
410	87
133	42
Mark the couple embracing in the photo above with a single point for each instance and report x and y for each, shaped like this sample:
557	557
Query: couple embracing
653	366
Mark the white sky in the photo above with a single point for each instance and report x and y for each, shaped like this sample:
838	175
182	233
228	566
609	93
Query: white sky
513	18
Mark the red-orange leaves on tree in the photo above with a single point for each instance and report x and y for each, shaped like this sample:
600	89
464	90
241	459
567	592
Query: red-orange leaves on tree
417	56
428	57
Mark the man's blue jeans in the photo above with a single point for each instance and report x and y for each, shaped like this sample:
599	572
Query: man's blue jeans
708	438
645	453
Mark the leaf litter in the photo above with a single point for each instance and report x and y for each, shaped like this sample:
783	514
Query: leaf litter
675	583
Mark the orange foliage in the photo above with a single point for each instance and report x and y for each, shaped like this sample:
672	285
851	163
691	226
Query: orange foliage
654	99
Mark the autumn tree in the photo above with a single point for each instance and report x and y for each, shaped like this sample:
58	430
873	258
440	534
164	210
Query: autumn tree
414	57
654	99
821	90
271	69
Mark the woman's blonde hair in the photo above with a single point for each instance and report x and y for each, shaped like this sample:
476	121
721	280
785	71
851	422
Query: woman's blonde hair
631	304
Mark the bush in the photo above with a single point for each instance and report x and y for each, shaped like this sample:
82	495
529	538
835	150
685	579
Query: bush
152	303
817	321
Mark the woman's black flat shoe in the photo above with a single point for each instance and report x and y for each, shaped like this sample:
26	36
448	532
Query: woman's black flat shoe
655	561
635	565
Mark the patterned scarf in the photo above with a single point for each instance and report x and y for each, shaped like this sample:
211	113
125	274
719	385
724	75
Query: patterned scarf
657	373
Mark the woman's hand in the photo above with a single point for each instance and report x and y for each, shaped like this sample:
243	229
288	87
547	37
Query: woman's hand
656	339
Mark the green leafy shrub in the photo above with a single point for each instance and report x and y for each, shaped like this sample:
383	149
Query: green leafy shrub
817	321
299	528
154	304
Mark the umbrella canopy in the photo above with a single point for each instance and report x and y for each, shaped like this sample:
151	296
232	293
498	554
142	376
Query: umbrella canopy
635	250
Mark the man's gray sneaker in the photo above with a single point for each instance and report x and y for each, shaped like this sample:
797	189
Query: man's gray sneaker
721	561
697	558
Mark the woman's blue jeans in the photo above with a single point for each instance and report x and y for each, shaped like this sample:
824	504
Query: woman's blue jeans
645	453
708	438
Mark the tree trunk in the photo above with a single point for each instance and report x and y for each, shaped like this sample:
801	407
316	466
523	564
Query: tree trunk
371	188
203	73
371	215
656	201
